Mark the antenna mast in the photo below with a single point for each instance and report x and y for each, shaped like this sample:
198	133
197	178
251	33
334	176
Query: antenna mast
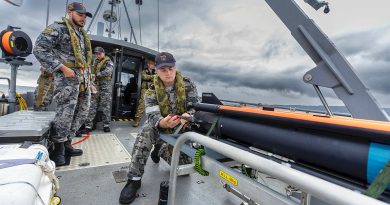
47	12
139	3
158	25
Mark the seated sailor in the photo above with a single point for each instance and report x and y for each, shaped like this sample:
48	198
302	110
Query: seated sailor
165	102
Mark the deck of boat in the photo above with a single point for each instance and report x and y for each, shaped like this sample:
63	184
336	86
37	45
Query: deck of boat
97	185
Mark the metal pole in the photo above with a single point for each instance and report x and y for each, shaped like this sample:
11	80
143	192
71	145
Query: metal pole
158	25
12	89
117	87
47	13
321	96
131	25
66	7
94	15
139	23
119	25
112	10
323	190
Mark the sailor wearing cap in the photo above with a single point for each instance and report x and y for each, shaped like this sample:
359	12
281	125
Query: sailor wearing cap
166	100
64	49
102	69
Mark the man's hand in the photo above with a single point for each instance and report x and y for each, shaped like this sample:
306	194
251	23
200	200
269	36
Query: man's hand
68	73
93	89
170	121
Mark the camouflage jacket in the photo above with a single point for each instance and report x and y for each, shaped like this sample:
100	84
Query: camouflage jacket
53	47
152	108
147	78
106	72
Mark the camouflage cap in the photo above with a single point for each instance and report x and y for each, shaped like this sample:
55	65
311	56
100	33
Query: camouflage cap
164	59
79	8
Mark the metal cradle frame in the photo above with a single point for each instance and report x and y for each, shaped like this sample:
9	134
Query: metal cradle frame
251	191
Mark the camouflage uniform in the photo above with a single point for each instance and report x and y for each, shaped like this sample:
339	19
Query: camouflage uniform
149	134
102	100
44	91
53	49
147	80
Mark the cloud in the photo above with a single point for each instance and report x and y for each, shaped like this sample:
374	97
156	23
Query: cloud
238	48
285	82
369	53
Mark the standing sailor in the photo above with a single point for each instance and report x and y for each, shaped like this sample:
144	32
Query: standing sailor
44	91
102	99
147	80
64	49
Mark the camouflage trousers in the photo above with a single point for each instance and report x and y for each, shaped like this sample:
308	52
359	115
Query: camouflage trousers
102	100
146	138
141	105
43	93
72	106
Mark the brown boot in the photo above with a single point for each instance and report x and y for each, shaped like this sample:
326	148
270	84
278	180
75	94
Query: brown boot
136	122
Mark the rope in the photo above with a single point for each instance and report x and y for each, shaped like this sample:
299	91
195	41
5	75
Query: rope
49	172
198	162
22	102
88	135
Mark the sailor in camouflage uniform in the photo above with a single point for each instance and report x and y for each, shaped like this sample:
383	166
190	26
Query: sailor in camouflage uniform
44	91
64	49
102	99
147	80
170	95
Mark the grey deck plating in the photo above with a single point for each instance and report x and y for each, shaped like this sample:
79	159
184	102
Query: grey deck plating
97	185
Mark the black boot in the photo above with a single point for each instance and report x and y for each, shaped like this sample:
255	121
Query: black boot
79	133
129	192
154	154
72	151
88	129
106	129
59	154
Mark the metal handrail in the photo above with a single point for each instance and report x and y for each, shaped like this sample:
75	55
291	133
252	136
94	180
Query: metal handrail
9	81
323	190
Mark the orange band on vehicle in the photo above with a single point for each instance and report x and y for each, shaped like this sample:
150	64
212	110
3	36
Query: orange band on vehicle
335	120
6	42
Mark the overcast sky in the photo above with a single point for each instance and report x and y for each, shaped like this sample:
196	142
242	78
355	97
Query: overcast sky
239	50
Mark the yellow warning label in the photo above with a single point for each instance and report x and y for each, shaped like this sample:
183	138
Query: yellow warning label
228	178
12	43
